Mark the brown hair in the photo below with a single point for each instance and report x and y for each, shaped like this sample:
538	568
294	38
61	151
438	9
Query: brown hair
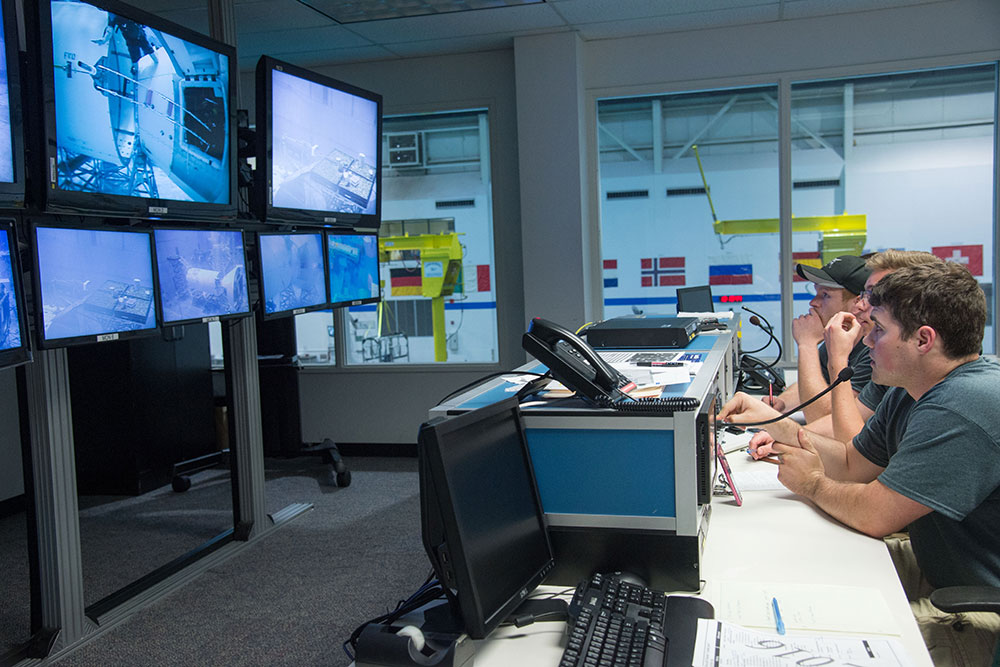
892	260
941	295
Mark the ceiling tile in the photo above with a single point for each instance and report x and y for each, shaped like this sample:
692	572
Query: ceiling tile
679	22
594	11
796	9
317	57
268	15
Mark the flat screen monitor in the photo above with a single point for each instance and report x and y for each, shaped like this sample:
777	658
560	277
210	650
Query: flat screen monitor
319	148
14	345
292	273
352	259
139	114
695	299
202	275
93	285
481	516
11	130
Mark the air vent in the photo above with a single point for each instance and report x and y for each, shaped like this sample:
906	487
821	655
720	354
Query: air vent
629	194
455	203
829	183
676	192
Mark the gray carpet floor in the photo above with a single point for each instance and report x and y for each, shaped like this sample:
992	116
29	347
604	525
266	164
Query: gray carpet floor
292	597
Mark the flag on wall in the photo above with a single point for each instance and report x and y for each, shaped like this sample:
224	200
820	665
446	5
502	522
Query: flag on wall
813	259
482	277
610	273
730	274
405	282
662	271
969	255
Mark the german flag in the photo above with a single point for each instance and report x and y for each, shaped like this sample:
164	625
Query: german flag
812	259
405	282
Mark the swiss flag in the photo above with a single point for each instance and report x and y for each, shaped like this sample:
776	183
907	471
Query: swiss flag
969	255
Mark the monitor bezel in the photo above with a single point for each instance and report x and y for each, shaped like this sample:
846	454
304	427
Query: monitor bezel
693	290
55	343
434	490
12	195
262	293
56	200
164	322
263	179
329	269
16	356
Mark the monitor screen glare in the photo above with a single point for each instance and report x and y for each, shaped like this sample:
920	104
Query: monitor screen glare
94	282
139	112
6	138
10	318
324	147
202	274
353	261
292	271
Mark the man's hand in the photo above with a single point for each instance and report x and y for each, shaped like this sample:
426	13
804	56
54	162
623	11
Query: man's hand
800	467
775	402
742	408
808	329
842	333
760	445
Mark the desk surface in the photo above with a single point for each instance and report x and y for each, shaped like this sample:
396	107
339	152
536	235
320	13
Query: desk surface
775	537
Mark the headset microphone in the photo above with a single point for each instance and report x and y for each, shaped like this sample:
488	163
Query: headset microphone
843	376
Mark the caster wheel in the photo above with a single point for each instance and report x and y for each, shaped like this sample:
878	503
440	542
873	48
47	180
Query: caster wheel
344	478
180	483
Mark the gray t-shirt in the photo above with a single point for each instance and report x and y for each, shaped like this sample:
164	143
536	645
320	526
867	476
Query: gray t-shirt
872	395
859	359
943	451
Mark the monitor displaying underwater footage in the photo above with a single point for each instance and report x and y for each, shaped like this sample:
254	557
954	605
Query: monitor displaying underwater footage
14	345
353	267
202	274
11	137
319	148
292	273
93	284
139	118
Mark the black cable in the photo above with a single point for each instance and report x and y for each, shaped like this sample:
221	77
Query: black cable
429	591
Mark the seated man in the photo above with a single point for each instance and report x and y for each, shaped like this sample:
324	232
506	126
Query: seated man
928	459
839	284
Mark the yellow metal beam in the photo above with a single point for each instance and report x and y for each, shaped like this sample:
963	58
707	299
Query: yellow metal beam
813	223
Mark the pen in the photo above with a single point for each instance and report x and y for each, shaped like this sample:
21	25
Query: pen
779	625
770	394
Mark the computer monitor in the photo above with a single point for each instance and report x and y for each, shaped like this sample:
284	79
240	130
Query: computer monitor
11	129
319	148
93	285
695	299
352	258
292	273
14	345
202	275
481	516
139	114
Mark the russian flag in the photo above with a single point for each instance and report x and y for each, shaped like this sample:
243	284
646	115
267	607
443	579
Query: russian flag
730	274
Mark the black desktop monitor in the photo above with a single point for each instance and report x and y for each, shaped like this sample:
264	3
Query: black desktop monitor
14	345
352	259
139	114
695	299
11	130
93	285
319	148
202	275
292	273
481	516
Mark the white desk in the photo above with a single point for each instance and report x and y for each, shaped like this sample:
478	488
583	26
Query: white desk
774	537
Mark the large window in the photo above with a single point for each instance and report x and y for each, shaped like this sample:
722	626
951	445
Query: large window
658	228
897	161
436	254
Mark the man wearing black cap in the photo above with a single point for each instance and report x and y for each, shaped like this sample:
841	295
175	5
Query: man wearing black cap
839	284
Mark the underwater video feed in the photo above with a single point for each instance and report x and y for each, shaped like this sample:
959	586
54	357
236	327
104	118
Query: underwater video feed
353	262
10	318
6	138
139	111
202	274
94	281
292	272
324	146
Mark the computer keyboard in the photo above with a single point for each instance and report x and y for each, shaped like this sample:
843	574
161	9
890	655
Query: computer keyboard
616	623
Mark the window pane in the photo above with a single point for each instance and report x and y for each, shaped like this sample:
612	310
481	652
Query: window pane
907	157
657	230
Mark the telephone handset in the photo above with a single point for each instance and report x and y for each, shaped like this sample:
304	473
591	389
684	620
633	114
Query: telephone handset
573	362
756	375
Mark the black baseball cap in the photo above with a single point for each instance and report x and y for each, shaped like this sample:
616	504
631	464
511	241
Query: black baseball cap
847	271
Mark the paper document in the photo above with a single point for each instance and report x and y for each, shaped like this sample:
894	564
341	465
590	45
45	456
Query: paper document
805	607
763	477
721	644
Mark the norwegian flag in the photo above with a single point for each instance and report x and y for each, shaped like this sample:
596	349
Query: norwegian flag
662	271
969	255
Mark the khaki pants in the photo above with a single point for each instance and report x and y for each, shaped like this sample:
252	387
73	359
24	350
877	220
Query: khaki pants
967	639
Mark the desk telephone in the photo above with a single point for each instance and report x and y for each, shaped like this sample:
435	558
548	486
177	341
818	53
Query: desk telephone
577	365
